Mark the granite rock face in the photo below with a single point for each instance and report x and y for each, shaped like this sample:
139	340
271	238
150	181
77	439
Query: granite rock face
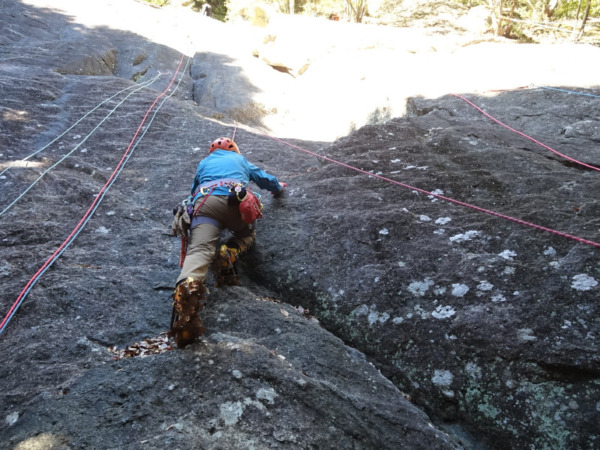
477	314
401	294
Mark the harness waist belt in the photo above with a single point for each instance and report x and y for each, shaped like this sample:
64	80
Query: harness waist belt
216	183
197	220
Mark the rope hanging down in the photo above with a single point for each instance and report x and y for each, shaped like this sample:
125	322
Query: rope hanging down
144	84
524	135
566	91
74	148
441	197
87	216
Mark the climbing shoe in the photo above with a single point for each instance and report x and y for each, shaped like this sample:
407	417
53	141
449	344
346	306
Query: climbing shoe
223	268
188	300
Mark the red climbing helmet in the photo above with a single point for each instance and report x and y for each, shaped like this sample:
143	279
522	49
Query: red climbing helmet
224	144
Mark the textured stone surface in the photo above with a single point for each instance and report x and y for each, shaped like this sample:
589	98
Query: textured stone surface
490	327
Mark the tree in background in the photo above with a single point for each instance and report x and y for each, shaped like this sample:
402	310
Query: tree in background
357	9
520	19
531	18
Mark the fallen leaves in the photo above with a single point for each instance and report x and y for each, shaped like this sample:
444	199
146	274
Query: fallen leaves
142	349
299	309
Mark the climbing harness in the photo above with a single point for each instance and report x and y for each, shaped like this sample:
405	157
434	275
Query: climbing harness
98	198
204	188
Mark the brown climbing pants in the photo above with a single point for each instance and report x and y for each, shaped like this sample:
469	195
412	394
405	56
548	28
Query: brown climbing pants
203	237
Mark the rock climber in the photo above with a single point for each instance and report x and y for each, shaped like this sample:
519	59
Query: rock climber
218	197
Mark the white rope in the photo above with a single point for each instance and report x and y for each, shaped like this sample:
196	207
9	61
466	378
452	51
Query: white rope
76	147
144	84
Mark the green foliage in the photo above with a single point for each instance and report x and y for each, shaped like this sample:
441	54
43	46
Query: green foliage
218	7
358	9
158	2
309	7
567	9
325	7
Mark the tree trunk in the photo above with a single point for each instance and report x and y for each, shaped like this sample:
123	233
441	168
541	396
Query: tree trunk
550	7
585	18
574	33
499	27
578	11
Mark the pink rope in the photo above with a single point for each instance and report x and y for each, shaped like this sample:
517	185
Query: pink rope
524	135
81	223
441	197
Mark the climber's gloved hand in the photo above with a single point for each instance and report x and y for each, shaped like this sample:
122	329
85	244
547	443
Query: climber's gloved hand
278	194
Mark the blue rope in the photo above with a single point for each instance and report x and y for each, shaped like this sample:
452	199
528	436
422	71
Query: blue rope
74	148
569	92
144	84
97	204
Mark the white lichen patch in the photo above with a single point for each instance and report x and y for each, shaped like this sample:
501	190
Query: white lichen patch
443	220
463	237
257	405
459	290
485	286
498	298
443	312
362	310
473	370
231	412
439	290
419	288
384	231
507	254
436	192
267	394
442	378
583	282
12	418
375	317
335	295
549	251
526	334
420	312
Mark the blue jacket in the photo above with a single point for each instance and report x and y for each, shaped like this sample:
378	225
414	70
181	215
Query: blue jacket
223	164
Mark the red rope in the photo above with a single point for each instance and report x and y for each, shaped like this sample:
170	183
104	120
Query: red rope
183	251
441	197
50	260
524	135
